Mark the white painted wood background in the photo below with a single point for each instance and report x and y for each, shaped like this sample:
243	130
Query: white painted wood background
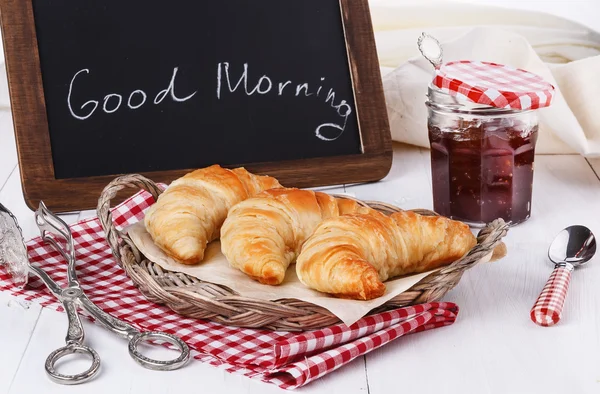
492	348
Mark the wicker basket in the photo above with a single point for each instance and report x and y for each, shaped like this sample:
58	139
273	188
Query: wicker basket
191	297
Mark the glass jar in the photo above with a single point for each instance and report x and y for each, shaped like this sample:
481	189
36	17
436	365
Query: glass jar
482	159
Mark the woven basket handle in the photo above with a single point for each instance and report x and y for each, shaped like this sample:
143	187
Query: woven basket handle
435	286
489	240
103	209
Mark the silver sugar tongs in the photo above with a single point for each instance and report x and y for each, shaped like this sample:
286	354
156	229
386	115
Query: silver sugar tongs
13	254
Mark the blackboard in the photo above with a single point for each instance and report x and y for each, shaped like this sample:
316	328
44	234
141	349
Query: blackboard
289	88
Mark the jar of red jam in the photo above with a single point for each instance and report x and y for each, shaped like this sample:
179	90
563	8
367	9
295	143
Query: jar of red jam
483	128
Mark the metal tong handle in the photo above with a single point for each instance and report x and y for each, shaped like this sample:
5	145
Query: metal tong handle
136	337
49	224
74	340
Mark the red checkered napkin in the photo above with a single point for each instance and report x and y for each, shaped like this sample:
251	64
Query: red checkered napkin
289	360
494	84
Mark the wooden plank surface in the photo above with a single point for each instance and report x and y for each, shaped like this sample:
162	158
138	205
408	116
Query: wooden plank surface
121	374
494	347
595	165
34	333
492	339
18	320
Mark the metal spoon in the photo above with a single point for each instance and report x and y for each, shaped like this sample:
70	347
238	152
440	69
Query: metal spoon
572	247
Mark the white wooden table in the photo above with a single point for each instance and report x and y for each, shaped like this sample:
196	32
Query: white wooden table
492	348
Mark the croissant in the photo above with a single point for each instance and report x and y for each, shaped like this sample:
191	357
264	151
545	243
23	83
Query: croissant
190	213
263	235
351	256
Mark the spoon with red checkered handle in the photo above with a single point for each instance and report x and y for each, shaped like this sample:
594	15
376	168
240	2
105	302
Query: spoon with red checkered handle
572	247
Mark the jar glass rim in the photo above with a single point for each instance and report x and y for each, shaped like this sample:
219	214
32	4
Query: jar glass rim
444	102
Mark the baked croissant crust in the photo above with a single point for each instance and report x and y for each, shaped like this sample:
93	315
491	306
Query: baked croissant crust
351	256
263	235
190	213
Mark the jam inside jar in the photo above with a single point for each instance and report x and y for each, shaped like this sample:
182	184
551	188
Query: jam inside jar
482	161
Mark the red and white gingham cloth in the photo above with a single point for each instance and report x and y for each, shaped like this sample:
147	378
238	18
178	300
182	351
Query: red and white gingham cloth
289	360
494	84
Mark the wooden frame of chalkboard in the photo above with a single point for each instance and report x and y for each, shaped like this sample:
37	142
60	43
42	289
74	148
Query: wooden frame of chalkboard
32	133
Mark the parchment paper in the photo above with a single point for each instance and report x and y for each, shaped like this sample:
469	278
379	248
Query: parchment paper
216	269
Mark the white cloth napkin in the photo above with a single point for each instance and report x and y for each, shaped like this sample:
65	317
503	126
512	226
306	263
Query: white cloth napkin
563	52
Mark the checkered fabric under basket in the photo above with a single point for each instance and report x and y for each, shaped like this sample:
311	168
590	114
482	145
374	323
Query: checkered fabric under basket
289	360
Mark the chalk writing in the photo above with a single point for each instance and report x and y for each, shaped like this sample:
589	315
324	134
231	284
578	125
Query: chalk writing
229	82
169	91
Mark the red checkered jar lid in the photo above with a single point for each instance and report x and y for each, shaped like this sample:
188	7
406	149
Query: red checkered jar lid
492	84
